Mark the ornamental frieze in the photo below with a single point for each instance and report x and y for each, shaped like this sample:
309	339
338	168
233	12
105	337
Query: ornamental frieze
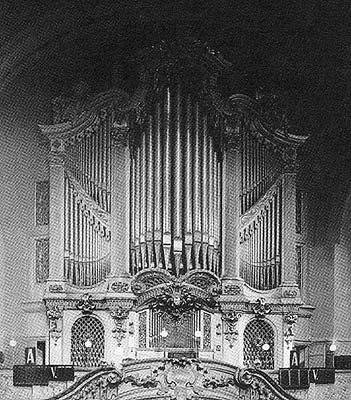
97	303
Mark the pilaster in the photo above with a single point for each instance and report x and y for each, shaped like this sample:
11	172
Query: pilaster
119	210
57	223
288	256
231	179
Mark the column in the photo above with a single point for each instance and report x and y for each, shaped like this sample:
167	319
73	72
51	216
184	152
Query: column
57	215
119	209
288	256
232	182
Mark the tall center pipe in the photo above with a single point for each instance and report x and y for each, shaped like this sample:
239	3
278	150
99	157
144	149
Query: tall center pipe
177	183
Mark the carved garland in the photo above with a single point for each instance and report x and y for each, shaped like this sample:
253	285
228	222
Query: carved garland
230	319
249	217
54	314
86	203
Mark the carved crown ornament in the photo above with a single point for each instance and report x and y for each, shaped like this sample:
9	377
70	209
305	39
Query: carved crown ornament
86	304
79	112
175	296
260	308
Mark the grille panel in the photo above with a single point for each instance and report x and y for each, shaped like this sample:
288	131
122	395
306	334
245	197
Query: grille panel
256	334
83	329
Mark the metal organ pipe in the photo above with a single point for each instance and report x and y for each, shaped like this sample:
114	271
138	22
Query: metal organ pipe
158	189
197	189
86	238
204	193
167	181
188	186
178	168
183	183
149	190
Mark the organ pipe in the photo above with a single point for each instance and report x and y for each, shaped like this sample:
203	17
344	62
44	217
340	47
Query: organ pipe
261	167
185	187
176	196
86	238
260	263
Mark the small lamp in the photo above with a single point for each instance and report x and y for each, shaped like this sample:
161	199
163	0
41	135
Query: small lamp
164	334
332	347
88	344
266	347
198	335
13	344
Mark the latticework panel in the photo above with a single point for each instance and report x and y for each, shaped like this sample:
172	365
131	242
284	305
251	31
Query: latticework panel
258	333
84	329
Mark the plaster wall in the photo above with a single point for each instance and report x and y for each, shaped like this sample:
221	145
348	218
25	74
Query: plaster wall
23	162
321	293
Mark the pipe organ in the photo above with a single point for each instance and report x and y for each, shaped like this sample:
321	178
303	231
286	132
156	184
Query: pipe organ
261	211
87	204
260	167
261	243
173	205
176	184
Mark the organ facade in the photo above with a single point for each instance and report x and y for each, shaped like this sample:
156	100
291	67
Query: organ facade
175	222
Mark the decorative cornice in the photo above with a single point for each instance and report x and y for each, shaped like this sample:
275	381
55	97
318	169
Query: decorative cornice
99	304
281	139
87	116
259	307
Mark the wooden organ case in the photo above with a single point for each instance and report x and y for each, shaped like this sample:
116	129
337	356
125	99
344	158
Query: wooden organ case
172	203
